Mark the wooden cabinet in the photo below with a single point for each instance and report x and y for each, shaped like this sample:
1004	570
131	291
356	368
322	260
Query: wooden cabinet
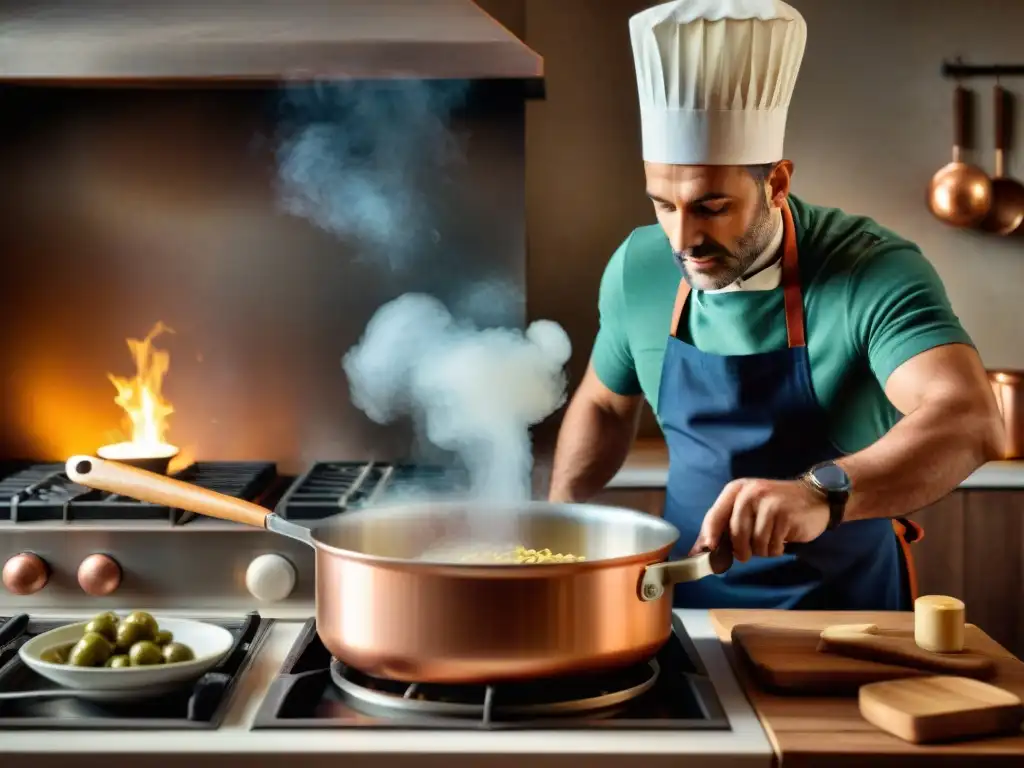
972	549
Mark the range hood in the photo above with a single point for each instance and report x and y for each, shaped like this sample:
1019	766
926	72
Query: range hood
95	41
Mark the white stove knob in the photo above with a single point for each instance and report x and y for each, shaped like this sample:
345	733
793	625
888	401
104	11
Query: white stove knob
270	578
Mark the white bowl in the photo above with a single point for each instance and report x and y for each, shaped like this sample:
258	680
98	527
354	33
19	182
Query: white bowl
208	642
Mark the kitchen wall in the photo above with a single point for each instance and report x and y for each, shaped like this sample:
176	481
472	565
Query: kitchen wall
870	123
125	207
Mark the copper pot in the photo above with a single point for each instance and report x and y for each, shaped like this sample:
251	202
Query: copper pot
960	194
383	609
1008	387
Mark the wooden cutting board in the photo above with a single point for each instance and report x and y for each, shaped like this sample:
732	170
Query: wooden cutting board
940	709
788	660
811	731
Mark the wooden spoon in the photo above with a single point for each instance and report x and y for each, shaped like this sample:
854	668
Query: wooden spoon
1007	212
960	194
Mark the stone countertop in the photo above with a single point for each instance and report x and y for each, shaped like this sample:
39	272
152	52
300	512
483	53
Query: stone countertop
647	467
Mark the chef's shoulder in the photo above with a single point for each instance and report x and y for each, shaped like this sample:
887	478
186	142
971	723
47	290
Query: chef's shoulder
642	260
631	279
895	304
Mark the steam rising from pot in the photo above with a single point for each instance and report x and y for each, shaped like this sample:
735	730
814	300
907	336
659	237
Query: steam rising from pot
354	159
354	155
473	391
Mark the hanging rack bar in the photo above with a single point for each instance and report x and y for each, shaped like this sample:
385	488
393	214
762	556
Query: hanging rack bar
957	69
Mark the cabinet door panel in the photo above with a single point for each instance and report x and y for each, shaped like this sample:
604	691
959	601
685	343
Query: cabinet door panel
993	584
939	556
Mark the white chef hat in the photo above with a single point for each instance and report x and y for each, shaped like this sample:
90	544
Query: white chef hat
715	79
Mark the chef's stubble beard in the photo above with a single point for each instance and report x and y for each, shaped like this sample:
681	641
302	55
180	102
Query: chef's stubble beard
748	248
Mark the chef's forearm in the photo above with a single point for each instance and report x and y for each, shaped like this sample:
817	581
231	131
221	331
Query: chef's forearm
921	459
592	445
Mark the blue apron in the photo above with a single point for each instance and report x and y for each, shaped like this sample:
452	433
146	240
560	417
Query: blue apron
756	416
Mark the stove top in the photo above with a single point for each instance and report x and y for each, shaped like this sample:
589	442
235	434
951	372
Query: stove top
138	545
200	705
330	487
670	692
43	492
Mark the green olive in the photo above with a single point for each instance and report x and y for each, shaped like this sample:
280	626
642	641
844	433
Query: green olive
145	653
163	637
58	654
118	661
141	617
105	624
177	652
131	632
92	650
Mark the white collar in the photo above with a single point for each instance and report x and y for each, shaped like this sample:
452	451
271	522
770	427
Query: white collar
762	278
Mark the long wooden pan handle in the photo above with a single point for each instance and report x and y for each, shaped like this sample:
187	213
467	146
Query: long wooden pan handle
110	476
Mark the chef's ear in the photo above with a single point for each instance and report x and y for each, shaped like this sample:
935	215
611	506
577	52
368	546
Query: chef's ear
778	182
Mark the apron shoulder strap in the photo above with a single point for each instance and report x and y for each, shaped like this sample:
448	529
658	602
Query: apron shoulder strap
791	291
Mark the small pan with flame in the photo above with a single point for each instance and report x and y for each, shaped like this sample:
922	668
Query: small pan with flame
141	456
141	398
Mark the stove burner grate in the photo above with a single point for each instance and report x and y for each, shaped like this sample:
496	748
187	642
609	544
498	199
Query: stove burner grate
487	703
331	487
201	704
43	492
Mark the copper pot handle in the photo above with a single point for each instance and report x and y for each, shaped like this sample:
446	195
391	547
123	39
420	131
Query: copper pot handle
660	576
114	477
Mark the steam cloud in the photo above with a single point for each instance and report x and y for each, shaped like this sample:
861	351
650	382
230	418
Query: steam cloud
355	159
474	391
350	152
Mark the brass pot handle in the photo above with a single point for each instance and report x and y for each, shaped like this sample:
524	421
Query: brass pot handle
660	576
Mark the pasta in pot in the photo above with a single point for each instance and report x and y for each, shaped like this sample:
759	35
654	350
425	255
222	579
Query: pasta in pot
520	555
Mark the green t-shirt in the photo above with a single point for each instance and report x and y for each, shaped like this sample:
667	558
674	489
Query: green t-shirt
872	301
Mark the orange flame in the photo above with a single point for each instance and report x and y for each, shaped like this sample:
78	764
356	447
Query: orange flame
142	400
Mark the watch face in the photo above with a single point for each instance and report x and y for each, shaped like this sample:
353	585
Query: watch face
831	477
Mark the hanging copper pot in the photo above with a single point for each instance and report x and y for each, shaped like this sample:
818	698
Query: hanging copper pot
960	194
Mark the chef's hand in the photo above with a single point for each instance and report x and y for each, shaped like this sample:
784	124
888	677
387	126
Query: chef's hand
761	516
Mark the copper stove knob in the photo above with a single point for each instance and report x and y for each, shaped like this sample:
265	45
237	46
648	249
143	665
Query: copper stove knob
25	574
99	575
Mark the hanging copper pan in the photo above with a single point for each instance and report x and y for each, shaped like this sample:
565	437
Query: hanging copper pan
1006	215
960	194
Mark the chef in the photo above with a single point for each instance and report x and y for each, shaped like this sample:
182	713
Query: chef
811	380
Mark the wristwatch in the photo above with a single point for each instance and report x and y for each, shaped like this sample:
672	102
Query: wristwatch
833	484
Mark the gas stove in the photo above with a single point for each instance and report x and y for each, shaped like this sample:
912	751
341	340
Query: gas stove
669	691
59	538
310	691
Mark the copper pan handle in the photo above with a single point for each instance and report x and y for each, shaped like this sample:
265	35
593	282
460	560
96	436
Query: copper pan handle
114	477
959	122
999	116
